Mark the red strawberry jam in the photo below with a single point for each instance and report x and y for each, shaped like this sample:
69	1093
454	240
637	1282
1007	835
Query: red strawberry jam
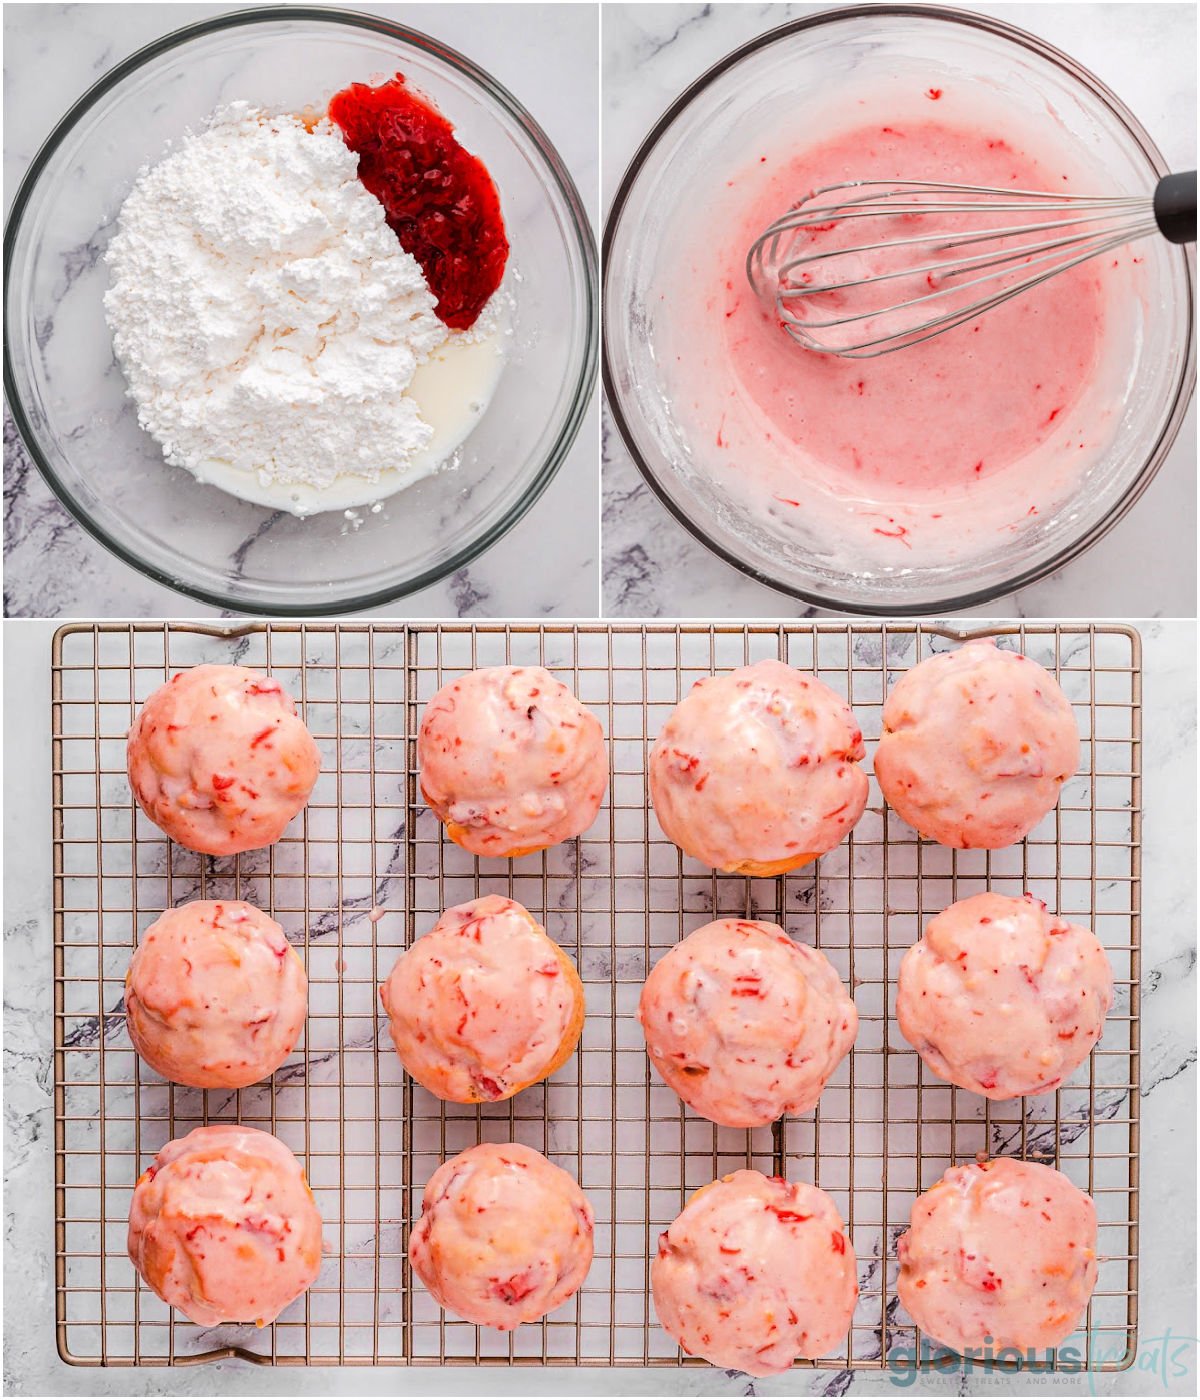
438	198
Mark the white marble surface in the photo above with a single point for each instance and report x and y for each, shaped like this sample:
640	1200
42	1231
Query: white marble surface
652	565
53	53
1168	1144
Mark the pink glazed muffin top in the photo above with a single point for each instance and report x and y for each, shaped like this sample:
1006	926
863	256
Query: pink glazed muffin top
484	1004
223	1226
215	995
1001	997
976	746
1002	1252
511	761
754	1273
220	760
745	1024
504	1236
756	772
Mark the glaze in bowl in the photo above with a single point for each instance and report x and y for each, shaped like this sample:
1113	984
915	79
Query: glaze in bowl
795	78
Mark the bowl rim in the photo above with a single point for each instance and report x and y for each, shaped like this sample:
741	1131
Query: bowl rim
1160	448
580	226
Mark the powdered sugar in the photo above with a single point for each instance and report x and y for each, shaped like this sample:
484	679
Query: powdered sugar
265	316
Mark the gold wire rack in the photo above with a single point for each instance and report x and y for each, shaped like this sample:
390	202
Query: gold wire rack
366	869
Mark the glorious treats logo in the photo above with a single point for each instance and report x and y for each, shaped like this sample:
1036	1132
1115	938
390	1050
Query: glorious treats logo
1164	1360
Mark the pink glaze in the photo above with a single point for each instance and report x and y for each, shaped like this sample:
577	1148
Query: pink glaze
895	452
215	996
511	761
219	759
1002	998
976	746
744	1024
1000	1252
484	1004
504	1236
756	771
223	1226
754	1273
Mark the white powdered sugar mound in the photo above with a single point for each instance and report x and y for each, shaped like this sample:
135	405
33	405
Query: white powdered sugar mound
265	316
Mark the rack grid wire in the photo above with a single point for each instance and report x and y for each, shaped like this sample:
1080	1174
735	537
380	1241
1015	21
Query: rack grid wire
366	869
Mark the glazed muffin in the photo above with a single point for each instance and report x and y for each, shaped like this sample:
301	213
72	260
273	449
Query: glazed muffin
504	1237
510	761
220	760
745	1024
976	746
215	995
754	1273
223	1226
484	1004
756	772
1002	1253
1002	998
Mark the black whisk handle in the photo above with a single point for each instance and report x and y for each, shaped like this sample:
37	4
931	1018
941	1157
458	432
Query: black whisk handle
1175	207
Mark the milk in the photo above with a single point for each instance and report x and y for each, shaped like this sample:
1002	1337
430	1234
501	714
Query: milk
453	389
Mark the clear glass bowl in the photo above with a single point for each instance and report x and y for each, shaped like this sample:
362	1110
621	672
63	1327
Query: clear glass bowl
698	144
68	394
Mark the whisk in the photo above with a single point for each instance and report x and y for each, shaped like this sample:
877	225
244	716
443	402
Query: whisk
871	266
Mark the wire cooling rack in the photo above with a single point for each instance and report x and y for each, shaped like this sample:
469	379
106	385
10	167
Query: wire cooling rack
366	869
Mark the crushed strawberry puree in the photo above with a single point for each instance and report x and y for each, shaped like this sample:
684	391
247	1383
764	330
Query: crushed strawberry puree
438	198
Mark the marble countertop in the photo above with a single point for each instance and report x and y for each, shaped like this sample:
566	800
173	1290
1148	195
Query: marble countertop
1167	1359
54	568
652	565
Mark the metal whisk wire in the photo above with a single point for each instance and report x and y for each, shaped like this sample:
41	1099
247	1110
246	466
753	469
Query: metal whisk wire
785	278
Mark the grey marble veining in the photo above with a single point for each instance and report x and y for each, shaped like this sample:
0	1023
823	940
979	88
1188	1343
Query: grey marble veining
1168	1049
651	564
52	53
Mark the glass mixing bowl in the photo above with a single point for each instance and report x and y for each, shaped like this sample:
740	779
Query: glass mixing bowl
67	392
784	77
